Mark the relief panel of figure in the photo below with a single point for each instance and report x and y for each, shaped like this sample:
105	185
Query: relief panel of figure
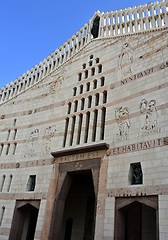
122	118
48	135
150	122
126	59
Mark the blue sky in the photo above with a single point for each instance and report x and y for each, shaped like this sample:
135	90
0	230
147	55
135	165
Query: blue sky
30	30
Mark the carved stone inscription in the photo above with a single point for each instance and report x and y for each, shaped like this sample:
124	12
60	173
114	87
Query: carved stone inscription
144	73
140	146
81	156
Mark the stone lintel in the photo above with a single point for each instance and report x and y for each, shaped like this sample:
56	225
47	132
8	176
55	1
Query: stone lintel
84	149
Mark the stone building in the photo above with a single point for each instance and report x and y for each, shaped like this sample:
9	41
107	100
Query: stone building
84	135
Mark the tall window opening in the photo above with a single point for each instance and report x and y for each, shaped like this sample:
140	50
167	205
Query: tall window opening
79	76
95	27
15	132
74	91
135	174
66	131
2	183
103	118
94	125
8	135
95	84
97	99
79	128
72	130
105	97
69	107
31	183
7	150
86	74
92	71
75	106
87	127
87	86
102	81
82	103
10	181
14	148
81	89
89	101
1	148
2	214
100	68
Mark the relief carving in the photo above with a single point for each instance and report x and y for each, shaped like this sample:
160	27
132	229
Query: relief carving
48	135
150	111
32	142
122	118
126	59
57	81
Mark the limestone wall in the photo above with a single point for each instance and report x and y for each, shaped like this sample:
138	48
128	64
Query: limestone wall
124	77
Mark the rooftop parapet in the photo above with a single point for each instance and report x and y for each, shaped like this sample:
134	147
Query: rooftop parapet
147	17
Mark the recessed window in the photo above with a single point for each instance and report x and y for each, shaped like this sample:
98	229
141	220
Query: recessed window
84	65
89	101
90	63
105	97
69	107
103	118
66	131
102	81
135	174
81	89
1	148
79	76
97	60
100	68
97	99
14	122
14	135
72	130
74	91
82	103
8	135
95	84
2	183
91	56
9	183
86	74
87	127
31	183
94	125
87	86
92	71
7	149
79	128
14	148
2	214
75	106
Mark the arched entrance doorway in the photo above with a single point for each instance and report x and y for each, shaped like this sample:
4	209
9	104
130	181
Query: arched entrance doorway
24	220
136	218
79	211
75	206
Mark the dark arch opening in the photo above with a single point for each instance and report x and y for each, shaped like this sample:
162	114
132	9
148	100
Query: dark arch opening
95	27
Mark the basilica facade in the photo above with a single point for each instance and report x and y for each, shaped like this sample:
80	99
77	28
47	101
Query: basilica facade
84	135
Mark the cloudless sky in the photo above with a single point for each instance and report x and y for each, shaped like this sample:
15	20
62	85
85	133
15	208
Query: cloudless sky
30	30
